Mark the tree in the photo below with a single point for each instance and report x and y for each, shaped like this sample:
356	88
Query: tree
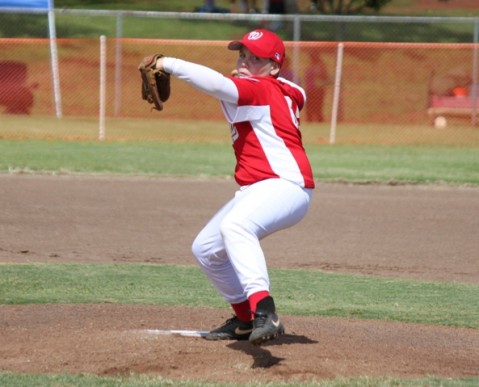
348	7
351	7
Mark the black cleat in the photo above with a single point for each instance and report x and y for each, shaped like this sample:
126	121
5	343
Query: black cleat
232	329
266	323
266	326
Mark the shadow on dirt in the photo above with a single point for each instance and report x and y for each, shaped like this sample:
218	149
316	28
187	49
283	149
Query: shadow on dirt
264	358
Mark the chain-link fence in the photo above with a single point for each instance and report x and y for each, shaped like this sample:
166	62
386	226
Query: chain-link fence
389	88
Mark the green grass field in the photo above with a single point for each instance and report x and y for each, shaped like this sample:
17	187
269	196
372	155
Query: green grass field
364	164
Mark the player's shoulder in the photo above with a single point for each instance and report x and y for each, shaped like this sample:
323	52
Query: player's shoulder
288	83
292	89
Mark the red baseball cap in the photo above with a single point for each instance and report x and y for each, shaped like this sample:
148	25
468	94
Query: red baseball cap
263	44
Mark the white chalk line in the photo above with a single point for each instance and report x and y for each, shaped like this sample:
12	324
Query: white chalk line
186	333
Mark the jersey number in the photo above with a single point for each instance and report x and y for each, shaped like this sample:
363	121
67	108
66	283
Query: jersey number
234	133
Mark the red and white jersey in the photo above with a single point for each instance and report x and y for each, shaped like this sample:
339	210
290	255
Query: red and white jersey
265	131
263	113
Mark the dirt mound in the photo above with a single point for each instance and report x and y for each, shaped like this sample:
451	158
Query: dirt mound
115	340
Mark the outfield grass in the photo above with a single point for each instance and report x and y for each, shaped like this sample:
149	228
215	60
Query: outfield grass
360	164
422	155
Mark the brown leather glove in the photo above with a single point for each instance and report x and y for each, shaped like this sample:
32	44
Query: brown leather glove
155	83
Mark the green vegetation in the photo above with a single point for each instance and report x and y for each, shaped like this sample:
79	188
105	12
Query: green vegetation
362	164
138	5
10	379
341	295
396	7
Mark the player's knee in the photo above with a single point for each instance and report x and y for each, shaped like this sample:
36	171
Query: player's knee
206	256
200	254
198	249
202	251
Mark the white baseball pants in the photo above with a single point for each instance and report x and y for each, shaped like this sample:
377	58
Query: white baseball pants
228	248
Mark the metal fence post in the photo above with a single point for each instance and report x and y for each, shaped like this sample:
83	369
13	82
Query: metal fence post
474	74
118	63
337	92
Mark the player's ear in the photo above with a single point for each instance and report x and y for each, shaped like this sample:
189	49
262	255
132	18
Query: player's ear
274	72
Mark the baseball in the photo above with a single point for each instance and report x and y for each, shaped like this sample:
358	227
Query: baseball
440	122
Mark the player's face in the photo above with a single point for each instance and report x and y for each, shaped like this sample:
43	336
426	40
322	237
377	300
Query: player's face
250	65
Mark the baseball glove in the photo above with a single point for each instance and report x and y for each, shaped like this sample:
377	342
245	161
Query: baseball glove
155	83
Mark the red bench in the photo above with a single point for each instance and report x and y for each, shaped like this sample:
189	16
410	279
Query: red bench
442	107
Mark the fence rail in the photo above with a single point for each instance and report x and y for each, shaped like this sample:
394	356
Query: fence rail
294	27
